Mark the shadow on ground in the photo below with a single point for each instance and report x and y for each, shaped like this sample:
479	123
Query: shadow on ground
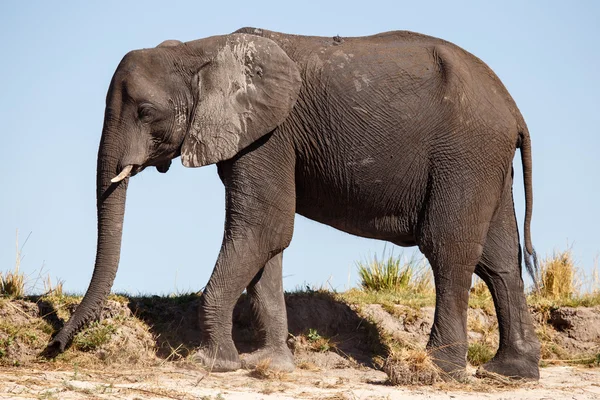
174	323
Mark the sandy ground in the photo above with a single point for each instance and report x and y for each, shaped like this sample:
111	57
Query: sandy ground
178	383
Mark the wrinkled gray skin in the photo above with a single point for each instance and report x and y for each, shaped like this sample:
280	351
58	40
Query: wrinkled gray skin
398	136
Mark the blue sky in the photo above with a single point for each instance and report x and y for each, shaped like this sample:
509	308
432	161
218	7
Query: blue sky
57	62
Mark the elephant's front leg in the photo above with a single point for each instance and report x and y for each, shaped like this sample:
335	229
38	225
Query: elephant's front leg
259	222
238	261
268	304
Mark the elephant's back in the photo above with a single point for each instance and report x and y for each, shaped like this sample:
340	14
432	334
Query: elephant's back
398	67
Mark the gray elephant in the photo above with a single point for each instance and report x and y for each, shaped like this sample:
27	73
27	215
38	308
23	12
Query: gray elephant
397	136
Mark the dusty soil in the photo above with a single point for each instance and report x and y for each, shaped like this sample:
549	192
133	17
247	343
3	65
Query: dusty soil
171	382
138	351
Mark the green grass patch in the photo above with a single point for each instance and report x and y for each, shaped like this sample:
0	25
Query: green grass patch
479	353
394	274
407	297
97	334
318	342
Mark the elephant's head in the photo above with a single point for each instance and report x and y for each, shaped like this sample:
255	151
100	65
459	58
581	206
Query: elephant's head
204	100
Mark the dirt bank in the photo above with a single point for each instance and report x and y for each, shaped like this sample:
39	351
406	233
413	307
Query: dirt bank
339	348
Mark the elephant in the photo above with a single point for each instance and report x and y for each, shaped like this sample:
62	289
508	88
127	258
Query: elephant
397	136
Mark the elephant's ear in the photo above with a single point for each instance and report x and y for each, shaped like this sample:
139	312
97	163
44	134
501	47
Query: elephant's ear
244	92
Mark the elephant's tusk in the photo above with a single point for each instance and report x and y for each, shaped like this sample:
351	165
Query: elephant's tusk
123	174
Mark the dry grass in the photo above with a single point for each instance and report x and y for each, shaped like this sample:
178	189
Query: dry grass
550	349
313	341
391	280
411	367
405	282
12	283
408	298
53	289
263	370
557	276
307	366
562	284
404	362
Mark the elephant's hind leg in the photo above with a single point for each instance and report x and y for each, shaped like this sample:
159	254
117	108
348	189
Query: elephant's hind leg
519	349
268	304
453	263
452	236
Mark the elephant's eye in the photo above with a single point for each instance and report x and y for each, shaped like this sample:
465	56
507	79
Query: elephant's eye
146	113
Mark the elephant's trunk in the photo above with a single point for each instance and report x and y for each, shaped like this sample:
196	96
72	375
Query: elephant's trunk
111	209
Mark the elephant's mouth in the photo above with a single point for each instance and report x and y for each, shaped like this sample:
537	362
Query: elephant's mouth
137	169
131	170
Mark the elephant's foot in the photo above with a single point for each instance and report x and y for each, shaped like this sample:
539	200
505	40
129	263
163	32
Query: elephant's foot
218	358
452	368
280	359
53	349
511	367
454	374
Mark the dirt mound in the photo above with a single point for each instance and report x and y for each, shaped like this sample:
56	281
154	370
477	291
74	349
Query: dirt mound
577	329
344	336
26	326
22	332
173	322
325	332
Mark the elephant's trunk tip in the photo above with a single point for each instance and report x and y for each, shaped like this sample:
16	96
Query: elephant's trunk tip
124	174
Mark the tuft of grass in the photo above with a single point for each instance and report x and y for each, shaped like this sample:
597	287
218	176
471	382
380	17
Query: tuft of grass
392	274
392	281
12	283
479	353
51	289
560	284
557	276
95	336
407	366
317	342
405	362
263	370
383	275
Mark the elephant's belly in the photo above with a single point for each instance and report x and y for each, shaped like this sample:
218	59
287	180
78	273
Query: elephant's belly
364	192
361	222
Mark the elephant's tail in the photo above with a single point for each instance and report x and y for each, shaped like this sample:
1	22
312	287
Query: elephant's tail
531	262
